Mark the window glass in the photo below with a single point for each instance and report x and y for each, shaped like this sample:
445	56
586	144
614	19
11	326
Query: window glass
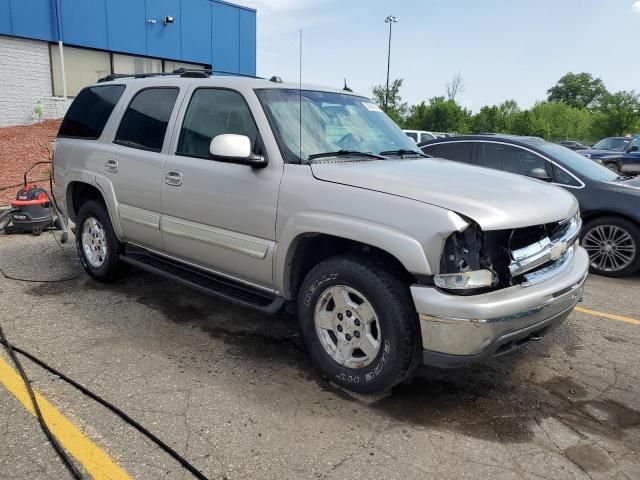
425	137
329	122
458	151
170	66
135	65
89	112
577	164
81	67
561	177
510	159
144	123
413	135
214	112
613	143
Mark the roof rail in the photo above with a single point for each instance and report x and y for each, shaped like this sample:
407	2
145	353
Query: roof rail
183	72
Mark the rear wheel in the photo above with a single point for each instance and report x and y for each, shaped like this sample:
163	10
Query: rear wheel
613	245
359	324
96	242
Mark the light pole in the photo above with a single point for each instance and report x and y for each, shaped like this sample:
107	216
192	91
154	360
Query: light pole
390	20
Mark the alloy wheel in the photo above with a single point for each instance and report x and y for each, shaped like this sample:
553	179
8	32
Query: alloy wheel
610	247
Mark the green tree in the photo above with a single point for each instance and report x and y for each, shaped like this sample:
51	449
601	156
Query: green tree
439	115
396	108
619	114
579	90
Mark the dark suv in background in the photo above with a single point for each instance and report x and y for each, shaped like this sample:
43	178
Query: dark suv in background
609	202
621	154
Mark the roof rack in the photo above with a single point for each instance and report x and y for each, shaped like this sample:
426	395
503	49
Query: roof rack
182	72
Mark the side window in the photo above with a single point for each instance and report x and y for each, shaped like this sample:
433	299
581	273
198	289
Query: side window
458	151
89	112
425	137
561	177
144	124
510	159
412	135
212	112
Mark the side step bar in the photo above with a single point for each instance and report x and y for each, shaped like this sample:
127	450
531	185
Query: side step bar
203	281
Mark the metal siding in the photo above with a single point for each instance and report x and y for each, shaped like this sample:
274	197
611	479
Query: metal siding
126	26
226	37
33	19
84	22
196	38
247	42
5	17
164	40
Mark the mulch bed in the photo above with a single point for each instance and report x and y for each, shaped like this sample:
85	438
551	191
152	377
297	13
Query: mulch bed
21	147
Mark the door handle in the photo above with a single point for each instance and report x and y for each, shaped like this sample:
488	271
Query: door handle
111	165
173	178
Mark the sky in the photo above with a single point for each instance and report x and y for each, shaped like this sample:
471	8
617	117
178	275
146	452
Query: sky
504	49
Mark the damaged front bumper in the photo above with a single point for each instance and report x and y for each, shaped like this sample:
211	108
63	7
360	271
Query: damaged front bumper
458	330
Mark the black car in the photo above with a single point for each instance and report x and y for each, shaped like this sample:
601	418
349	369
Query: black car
609	202
573	145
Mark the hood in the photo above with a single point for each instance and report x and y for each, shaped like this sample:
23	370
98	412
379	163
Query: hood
599	153
494	199
629	187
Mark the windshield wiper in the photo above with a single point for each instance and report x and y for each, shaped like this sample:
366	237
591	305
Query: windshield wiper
345	153
403	151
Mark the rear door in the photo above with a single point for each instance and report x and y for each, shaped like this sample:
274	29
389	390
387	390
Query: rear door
219	215
135	160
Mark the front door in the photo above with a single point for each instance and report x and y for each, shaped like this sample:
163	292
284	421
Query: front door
215	214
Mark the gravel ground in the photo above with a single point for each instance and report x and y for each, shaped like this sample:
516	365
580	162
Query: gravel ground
233	390
21	147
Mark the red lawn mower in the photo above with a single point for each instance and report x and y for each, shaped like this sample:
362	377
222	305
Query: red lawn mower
34	210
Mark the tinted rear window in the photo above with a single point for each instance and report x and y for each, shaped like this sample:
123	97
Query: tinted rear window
144	124
89	112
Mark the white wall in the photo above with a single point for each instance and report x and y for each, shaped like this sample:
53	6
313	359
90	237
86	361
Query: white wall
25	78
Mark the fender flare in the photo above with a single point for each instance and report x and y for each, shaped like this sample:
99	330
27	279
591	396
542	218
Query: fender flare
406	249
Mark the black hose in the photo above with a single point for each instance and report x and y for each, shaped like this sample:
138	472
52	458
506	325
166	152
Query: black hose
193	470
43	424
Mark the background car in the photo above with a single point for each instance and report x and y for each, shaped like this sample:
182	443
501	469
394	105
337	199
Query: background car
625	161
608	201
573	145
621	154
420	136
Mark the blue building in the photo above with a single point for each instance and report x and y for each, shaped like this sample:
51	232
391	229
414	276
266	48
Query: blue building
50	49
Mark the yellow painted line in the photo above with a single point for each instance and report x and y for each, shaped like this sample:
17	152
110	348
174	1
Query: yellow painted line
95	460
610	316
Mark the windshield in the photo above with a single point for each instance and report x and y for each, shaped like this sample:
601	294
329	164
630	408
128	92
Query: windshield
615	144
579	164
330	122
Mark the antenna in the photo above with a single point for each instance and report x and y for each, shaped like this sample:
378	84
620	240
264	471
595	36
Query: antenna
346	88
300	96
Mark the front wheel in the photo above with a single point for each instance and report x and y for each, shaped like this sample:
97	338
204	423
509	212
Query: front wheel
96	242
613	245
359	324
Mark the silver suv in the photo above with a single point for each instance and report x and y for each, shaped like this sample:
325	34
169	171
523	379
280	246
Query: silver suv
258	192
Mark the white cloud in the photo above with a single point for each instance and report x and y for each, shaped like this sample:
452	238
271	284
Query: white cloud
636	7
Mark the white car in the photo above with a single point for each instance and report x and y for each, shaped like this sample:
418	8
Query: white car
420	136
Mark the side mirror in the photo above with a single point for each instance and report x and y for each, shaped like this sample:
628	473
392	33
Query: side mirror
233	148
540	174
634	148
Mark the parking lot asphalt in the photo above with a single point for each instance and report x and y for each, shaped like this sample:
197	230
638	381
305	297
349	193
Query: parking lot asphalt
233	391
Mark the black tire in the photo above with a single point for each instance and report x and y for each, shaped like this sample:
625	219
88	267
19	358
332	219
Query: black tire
632	229
399	337
112	268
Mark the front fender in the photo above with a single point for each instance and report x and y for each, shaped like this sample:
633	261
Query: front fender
402	246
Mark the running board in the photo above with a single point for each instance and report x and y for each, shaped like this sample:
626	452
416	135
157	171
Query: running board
203	281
